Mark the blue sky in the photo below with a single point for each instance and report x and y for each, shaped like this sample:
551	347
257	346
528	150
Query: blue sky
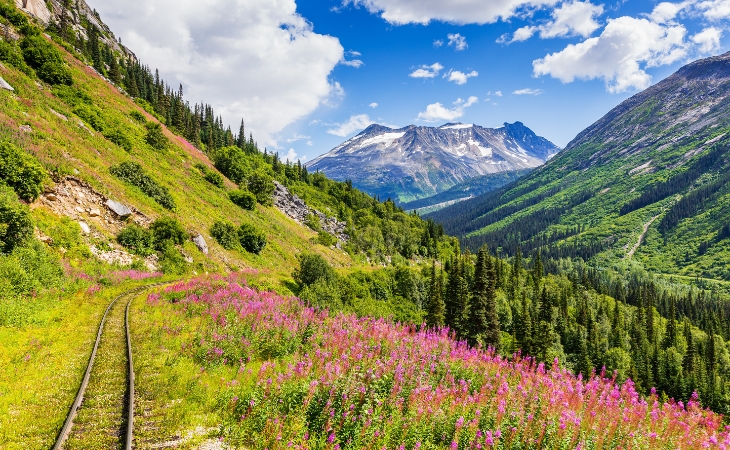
307	74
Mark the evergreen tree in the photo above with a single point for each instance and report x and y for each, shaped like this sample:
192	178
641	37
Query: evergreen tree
435	316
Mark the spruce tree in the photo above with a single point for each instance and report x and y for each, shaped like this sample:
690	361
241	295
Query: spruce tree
435	316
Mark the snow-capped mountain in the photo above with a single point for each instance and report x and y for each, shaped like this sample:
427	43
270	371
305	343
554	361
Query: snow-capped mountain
417	162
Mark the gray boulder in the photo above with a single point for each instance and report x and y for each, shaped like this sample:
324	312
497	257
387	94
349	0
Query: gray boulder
119	209
199	242
4	85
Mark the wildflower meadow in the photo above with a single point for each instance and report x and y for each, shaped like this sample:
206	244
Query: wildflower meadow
310	379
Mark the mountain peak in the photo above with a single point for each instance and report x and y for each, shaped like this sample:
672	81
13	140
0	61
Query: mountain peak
417	161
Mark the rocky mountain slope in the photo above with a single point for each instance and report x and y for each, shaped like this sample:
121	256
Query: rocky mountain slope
416	162
648	182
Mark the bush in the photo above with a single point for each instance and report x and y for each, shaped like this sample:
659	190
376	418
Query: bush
91	115
155	138
16	225
167	231
21	171
312	268
313	222
41	55
133	174
326	239
73	96
138	117
137	240
10	53
172	262
118	137
262	186
244	199
29	268
225	234
251	239
211	176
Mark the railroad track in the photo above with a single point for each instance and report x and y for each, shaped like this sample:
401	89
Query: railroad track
102	415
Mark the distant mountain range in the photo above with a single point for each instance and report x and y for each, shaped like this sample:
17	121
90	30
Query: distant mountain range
648	182
416	162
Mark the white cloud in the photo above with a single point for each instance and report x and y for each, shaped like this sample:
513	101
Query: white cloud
254	59
427	71
438	43
461	12
356	63
458	42
437	112
353	53
619	55
291	156
715	9
666	11
528	91
575	18
297	137
373	105
460	77
355	123
309	143
708	40
498	93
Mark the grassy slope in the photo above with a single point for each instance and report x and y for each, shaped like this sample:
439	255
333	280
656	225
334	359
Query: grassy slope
603	164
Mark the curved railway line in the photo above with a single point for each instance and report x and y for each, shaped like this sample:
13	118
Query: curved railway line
104	415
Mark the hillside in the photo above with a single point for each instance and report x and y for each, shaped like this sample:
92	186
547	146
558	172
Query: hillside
647	183
416	162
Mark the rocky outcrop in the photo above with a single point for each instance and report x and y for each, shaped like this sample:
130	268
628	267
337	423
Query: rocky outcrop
76	199
199	242
295	208
36	8
4	85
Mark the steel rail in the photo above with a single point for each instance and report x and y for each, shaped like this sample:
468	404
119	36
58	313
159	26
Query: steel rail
68	424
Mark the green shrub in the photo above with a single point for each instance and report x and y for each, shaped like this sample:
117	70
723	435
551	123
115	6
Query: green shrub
16	224
90	115
21	171
312	268
133	174
43	56
71	95
154	137
10	53
138	117
262	186
137	240
29	268
251	239
326	239
13	15
225	234
313	222
167	231
211	176
120	138
172	262
244	199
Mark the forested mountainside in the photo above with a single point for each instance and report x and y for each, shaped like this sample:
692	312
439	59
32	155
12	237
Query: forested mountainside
108	178
646	183
416	162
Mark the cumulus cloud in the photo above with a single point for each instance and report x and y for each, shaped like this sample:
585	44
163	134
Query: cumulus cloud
291	155
481	12
436	112
254	59
458	42
666	11
715	9
496	93
708	40
373	105
438	43
528	91
575	18
427	71
355	123
619	55
297	137
460	77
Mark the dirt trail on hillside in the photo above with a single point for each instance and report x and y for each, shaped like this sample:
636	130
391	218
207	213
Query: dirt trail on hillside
641	237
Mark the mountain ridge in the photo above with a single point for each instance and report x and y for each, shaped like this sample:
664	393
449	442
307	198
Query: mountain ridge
416	162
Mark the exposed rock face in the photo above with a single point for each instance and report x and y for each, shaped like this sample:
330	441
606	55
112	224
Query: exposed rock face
295	208
199	242
76	199
36	8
